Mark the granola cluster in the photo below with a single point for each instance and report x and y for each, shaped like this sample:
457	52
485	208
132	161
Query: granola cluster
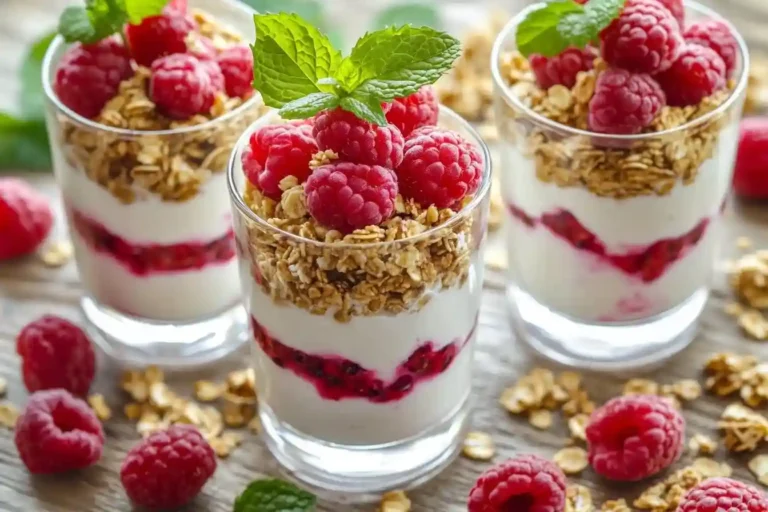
749	281
173	166
651	167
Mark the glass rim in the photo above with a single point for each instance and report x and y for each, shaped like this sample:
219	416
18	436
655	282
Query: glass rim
503	88
243	209
52	97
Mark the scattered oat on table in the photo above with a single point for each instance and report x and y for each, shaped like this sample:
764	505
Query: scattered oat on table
9	414
743	428
578	499
759	467
728	373
702	445
395	501
99	405
577	425
615	506
57	254
479	446
572	460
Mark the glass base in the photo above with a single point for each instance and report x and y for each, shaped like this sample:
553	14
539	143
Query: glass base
362	474
142	342
638	345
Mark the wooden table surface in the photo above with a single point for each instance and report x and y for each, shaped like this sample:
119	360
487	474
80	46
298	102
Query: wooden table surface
29	289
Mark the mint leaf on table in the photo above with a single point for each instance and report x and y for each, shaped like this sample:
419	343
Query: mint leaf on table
23	144
274	496
137	10
32	98
418	14
97	20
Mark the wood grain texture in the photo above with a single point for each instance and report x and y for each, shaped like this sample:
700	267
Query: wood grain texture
28	289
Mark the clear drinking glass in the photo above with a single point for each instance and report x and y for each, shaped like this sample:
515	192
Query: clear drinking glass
151	223
612	240
362	347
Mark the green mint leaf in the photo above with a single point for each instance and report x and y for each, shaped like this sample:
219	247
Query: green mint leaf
308	106
23	144
274	496
290	56
365	107
98	20
32	97
582	28
75	25
417	14
395	62
538	32
137	10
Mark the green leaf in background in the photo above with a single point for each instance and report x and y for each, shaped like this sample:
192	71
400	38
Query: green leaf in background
99	19
274	496
308	106
32	97
365	108
417	14
137	10
23	144
310	10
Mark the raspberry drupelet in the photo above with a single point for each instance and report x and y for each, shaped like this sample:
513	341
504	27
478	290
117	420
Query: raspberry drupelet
624	103
415	111
181	86
158	36
716	35
697	73
25	218
562	69
723	495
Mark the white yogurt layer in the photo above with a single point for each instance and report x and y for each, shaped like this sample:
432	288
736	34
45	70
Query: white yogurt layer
581	285
378	343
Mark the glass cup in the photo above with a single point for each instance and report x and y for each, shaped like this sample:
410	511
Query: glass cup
363	345
612	240
150	220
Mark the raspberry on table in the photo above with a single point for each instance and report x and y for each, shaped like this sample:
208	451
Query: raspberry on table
158	36
168	469
58	432
716	35
562	69
624	103
723	495
88	76
236	63
56	354
697	73
417	110
750	176
25	218
633	437
348	196
645	38
358	141
525	483
439	168
181	86
277	151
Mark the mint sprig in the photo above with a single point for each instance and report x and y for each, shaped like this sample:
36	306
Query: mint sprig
99	19
298	70
563	23
274	496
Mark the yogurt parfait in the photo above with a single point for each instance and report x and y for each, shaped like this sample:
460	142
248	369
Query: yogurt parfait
618	148
360	233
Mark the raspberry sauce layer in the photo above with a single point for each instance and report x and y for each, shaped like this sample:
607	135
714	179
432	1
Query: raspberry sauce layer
145	259
337	378
647	263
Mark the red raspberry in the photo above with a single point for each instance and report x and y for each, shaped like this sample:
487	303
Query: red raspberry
177	5
439	168
698	72
56	354
25	218
181	86
236	63
88	76
645	38
624	103
201	47
634	437
716	35
348	196
750	178
157	36
58	432
723	495
417	110
562	69
358	141
677	9
277	151
525	483
168	469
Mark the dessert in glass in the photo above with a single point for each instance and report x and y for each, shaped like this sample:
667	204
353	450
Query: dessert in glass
141	133
617	163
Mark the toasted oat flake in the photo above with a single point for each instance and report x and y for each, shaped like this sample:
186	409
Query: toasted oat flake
733	309
700	444
615	506
758	465
577	425
57	254
9	414
572	460
319	159
395	501
207	391
754	323
641	387
687	389
224	444
578	499
665	496
478	446
541	419
133	411
743	428
749	279
710	468
99	405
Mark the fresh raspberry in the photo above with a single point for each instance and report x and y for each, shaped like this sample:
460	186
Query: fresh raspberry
348	196
645	38
716	35
750	178
677	9
58	432
358	141
25	218
439	168
56	354
698	72
634	437
157	36
88	76
524	484
236	63
181	86
723	495
168	469
624	103
277	151
177	5
562	69
417	110
201	47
